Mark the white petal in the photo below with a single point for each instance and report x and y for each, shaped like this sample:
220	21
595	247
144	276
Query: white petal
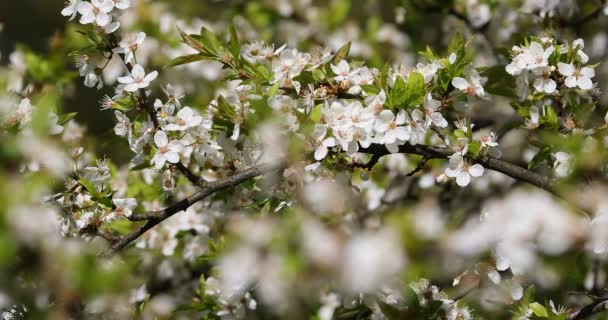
402	133
131	87
570	82
329	142
160	139
502	263
102	19
439	120
476	170
588	72
460	83
125	80
321	153
463	179
585	83
185	113
159	160
138	72
565	69
172	157
151	76
390	136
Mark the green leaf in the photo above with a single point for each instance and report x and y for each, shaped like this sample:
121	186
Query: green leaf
342	53
234	45
212	44
89	186
318	75
474	149
539	310
191	41
66	117
185	60
460	134
407	95
315	113
550	117
273	90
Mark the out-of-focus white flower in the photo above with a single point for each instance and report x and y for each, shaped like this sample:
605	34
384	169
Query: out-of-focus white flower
478	13
122	4
330	302
371	259
562	164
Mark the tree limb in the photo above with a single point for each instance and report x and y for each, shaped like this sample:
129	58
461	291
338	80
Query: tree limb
156	217
377	151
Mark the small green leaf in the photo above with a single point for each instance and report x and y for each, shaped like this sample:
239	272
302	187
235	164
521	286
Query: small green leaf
460	134
315	114
191	41
539	310
234	45
273	90
185	60
66	117
89	186
342	53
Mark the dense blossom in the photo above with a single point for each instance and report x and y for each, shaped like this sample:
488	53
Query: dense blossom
307	159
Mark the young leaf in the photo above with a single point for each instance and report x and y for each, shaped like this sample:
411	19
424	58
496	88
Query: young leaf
185	60
191	41
342	53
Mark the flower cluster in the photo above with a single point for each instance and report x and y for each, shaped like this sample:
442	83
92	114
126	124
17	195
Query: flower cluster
99	12
547	65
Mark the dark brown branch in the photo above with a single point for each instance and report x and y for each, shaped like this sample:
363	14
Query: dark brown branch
512	170
589	310
156	217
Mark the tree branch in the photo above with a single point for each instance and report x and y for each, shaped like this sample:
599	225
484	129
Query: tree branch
156	217
512	170
377	151
589	310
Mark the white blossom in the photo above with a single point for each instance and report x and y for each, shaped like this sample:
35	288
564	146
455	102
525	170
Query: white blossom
168	151
138	79
97	11
460	169
577	77
184	120
71	9
129	44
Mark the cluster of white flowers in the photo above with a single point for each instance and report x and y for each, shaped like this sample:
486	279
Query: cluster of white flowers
536	62
352	125
98	12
